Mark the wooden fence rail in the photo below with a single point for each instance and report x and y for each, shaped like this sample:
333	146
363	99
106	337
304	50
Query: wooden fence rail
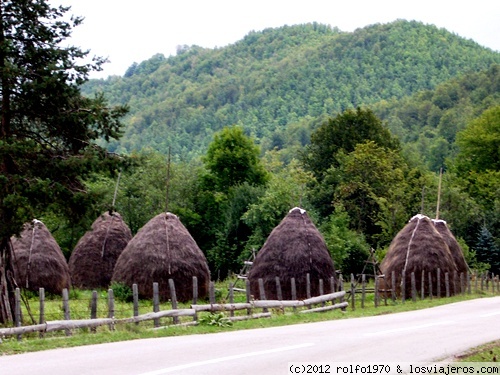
337	299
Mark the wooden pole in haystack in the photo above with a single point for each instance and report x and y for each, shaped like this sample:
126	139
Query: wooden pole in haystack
168	181
439	193
116	191
103	248
423	201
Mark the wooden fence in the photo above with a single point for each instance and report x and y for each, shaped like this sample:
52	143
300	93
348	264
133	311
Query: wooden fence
306	306
339	297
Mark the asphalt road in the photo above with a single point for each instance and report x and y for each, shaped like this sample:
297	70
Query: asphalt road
416	336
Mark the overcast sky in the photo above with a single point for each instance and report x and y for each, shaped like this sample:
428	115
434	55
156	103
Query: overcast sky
128	31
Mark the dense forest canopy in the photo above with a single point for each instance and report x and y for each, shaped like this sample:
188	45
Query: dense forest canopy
277	79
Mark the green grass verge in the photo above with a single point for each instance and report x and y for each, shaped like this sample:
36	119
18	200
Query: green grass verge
485	353
123	332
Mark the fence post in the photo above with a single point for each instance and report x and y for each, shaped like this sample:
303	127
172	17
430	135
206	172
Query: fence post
403	287
332	284
475	282
376	295
447	283
413	287
422	286
248	295
93	309
455	283
393	286
17	311
294	291
231	297
262	293
430	284
462	283
321	290
308	285
195	296
353	293
135	298
278	288
438	283
469	286
363	290
67	315
211	292
156	303
173	298
41	319
341	287
111	308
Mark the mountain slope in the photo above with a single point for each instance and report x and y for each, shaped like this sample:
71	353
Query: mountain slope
280	77
428	121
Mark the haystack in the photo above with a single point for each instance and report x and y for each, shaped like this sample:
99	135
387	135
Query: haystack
418	247
294	249
455	249
39	261
163	249
93	260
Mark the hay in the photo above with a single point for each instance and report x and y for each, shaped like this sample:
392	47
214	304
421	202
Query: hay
93	260
294	249
163	249
418	247
455	249
39	261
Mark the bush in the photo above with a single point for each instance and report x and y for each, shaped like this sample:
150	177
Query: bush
122	292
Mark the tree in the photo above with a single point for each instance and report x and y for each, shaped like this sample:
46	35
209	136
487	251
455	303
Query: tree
232	159
348	248
374	188
233	180
479	143
477	164
340	135
487	250
48	129
343	133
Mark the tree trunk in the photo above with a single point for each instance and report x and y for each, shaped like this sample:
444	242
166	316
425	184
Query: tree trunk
7	284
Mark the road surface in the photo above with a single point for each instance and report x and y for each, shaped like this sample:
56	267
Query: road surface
416	336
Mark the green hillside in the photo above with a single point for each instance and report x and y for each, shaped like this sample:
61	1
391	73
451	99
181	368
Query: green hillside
277	82
428	121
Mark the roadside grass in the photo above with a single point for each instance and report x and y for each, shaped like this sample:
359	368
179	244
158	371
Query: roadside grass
80	309
485	353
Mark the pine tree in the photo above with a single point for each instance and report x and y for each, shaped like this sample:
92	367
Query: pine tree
48	129
487	250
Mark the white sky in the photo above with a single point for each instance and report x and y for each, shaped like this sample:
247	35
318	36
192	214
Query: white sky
128	31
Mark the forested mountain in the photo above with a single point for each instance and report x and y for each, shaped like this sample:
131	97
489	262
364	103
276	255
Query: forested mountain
279	83
428	121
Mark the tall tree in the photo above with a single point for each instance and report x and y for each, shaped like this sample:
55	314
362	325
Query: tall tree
340	135
47	128
231	184
232	159
487	250
479	143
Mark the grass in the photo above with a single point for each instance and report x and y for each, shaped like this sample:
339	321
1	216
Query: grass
485	353
80	309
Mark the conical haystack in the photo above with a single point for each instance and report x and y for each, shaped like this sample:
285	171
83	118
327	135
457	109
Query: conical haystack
163	249
39	261
453	245
418	247
93	260
294	249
